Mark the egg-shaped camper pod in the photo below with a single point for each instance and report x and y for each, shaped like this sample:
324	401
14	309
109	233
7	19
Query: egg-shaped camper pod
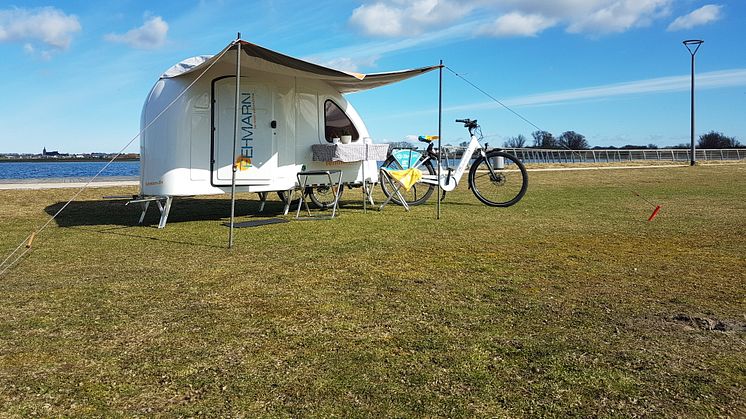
191	121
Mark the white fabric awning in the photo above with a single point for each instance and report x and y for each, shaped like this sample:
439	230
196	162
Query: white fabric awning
263	59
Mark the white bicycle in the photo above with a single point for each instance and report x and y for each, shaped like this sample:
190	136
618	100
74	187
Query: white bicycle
496	178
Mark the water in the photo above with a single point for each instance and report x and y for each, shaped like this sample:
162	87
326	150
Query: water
67	169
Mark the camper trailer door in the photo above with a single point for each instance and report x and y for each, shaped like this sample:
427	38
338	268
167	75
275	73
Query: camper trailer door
256	150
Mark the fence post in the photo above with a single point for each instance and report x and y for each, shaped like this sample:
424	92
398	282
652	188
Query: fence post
593	152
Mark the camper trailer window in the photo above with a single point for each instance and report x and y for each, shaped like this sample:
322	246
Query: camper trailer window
337	123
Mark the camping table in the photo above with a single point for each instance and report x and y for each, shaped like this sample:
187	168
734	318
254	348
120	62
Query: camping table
303	182
348	153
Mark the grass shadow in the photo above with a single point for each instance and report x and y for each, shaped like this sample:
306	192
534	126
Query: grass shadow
123	231
114	212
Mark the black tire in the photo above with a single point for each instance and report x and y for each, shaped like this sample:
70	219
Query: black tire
323	196
283	195
498	187
419	193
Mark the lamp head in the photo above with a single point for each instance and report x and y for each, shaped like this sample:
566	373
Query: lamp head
693	43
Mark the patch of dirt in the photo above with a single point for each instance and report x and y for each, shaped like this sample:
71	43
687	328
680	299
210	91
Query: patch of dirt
708	323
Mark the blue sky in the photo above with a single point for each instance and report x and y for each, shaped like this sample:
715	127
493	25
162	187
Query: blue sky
75	73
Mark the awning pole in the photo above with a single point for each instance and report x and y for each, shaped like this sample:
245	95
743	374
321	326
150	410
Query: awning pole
235	139
440	134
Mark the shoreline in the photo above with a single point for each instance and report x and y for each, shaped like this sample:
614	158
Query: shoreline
71	160
78	179
71	182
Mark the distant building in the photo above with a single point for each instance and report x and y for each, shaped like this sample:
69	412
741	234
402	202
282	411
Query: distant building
45	153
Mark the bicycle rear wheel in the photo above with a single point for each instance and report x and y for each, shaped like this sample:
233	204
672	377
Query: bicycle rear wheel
498	184
419	193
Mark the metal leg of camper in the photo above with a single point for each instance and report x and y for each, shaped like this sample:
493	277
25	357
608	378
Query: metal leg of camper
395	186
144	206
303	182
164	207
288	199
262	200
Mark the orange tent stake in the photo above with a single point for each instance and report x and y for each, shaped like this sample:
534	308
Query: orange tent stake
655	212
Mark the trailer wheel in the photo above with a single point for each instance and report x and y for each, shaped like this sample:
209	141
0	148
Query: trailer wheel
323	195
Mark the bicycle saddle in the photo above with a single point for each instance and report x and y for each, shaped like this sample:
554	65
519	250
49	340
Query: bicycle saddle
427	138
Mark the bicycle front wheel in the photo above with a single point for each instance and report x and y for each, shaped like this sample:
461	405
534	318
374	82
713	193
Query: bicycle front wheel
500	180
419	193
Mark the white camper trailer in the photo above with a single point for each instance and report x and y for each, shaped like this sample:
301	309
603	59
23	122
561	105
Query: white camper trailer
285	106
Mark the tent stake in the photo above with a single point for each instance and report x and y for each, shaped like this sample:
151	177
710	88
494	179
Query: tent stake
235	140
440	134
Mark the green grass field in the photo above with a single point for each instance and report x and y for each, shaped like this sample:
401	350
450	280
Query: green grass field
567	304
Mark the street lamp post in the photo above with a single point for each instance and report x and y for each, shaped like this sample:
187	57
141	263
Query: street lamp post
693	46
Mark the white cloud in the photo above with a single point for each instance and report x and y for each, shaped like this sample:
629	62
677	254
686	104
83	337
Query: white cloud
517	24
151	35
708	80
46	24
618	16
507	17
378	19
402	18
702	16
366	55
345	63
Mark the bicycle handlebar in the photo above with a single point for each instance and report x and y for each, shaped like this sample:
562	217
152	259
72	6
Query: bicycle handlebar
468	123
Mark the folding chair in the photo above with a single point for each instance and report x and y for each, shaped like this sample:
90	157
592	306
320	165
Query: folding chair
395	185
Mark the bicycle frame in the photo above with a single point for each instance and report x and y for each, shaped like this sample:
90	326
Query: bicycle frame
449	178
